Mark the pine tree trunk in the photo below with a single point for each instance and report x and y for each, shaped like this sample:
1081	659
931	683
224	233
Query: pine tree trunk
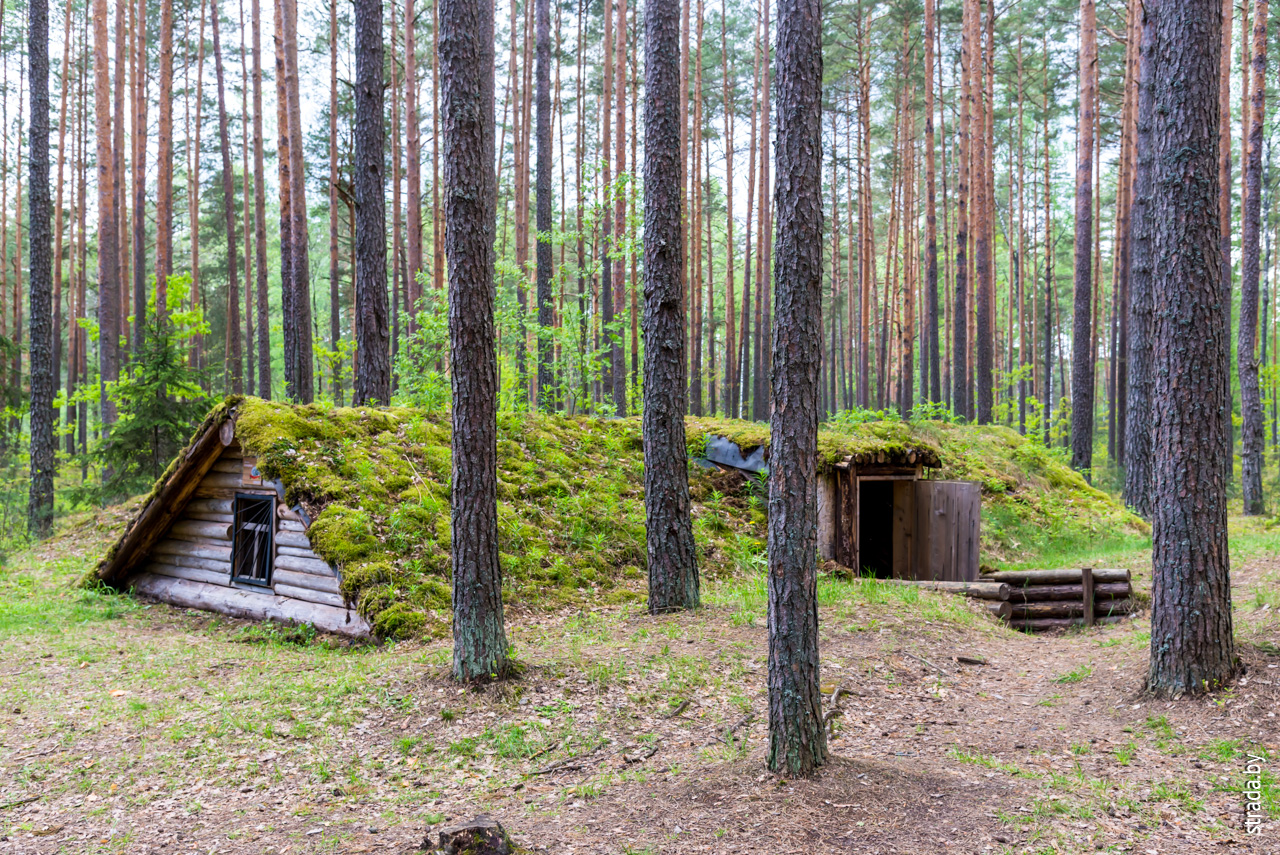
931	215
335	310
797	737
413	163
1081	336
960	394
300	267
1192	649
164	159
260	214
40	287
233	356
672	557
983	203
1138	403
139	142
396	236
1251	436
373	379
620	210
466	47
108	222
546	378
288	311
731	340
56	335
248	215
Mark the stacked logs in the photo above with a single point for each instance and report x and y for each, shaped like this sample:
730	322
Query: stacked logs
1038	600
1054	599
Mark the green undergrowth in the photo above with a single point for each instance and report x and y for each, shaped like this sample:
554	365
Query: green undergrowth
376	484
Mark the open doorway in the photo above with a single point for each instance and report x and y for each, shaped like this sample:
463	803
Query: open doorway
875	528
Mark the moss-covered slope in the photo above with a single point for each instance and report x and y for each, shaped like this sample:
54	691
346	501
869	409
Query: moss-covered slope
571	510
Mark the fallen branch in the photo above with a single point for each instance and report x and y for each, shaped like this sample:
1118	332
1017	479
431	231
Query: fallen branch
680	707
20	802
924	661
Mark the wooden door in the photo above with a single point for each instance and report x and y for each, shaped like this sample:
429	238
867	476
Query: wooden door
947	530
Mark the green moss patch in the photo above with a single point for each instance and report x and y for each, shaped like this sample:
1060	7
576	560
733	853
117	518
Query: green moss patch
571	499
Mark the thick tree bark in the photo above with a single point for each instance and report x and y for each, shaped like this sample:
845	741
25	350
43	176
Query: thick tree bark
961	396
797	738
617	355
139	144
1251	437
1192	649
373	377
413	163
546	318
164	159
731	339
58	224
288	312
303	388
673	567
1081	335
260	214
108	222
1137	435
930	216
466	46
335	272
40	289
233	356
984	287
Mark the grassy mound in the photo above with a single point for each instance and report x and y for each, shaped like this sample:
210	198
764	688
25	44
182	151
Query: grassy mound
571	509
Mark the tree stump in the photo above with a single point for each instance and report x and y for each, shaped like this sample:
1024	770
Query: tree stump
481	836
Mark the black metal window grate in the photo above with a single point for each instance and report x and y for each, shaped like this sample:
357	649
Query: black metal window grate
252	539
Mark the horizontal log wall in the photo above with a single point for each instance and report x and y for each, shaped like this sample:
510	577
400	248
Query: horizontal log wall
191	565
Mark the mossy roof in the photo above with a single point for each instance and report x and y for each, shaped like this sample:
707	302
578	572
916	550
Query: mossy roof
876	442
376	484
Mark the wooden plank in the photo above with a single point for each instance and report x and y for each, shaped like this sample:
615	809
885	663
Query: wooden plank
228	465
223	567
195	574
293	538
1040	593
200	516
303	565
311	595
251	603
903	523
285	512
297	552
845	518
211	506
1086	586
194	549
205	492
292	525
1069	576
194	528
1067	608
310	581
223	480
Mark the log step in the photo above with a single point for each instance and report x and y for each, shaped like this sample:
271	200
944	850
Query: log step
1070	576
256	604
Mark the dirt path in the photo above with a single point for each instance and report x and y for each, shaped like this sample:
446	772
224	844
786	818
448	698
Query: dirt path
146	730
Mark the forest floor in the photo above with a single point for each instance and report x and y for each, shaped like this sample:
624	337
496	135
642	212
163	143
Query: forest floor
128	727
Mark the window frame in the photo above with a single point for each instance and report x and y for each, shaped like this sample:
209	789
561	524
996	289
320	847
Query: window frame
236	539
